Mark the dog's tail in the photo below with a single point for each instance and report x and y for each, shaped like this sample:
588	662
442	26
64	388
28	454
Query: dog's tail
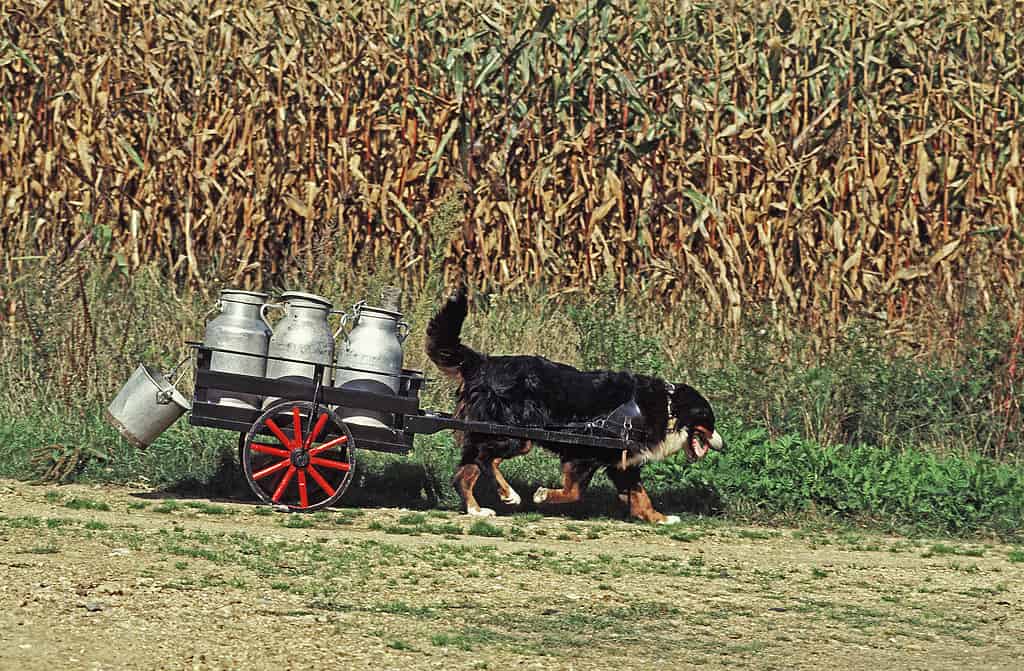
444	346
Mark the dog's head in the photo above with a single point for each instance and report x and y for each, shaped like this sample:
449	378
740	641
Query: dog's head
692	413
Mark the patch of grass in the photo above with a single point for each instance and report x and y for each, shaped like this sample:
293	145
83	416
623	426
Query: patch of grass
402	608
167	506
41	550
402	530
675	533
399	644
485	528
96	525
209	508
818	573
1016	556
467	639
756	534
940	549
24	522
298	521
412	519
138	505
80	503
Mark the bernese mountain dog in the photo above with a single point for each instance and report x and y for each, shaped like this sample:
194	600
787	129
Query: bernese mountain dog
533	391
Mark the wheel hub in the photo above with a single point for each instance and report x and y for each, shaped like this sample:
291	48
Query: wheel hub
300	458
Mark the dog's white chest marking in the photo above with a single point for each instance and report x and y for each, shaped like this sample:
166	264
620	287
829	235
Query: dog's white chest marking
672	443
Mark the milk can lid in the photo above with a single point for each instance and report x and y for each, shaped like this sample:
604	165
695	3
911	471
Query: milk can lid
241	296
287	295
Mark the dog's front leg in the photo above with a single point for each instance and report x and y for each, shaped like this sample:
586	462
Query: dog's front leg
507	495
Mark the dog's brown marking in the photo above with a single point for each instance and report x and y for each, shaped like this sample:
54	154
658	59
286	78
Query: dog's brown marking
576	476
504	489
464	480
640	505
633	494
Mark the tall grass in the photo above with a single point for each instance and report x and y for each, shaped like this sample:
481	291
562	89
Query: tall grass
824	159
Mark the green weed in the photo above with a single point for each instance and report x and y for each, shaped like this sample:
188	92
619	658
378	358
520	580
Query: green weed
79	503
484	528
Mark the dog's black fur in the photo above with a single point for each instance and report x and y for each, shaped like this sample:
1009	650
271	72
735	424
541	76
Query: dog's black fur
533	391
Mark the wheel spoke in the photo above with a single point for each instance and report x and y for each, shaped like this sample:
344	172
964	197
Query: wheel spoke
303	496
320	423
269	449
340	440
296	428
330	463
270	470
276	430
276	497
319	479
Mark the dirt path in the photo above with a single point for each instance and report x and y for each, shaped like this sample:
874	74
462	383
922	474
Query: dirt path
115	578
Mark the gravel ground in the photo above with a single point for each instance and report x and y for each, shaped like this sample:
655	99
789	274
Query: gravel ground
123	578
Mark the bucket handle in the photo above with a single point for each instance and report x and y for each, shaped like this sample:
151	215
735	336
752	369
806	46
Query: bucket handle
403	330
164	396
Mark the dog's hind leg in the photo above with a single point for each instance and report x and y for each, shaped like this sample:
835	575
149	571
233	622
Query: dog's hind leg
471	465
464	481
633	494
576	476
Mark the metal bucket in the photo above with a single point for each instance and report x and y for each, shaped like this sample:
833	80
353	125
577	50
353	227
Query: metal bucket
146	405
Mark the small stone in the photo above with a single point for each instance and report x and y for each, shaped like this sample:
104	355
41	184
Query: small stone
93	606
119	552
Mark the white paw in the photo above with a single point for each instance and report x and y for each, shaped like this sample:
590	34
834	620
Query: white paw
480	512
671	519
541	495
513	498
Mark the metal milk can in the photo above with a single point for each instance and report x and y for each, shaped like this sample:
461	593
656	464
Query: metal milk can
303	334
240	326
371	353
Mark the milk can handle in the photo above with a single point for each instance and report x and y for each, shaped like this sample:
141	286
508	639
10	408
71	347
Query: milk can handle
403	331
265	307
357	309
341	324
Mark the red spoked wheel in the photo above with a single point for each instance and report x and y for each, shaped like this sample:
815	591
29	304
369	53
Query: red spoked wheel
298	456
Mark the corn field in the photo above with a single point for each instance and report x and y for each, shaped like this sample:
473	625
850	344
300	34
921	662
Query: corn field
828	159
